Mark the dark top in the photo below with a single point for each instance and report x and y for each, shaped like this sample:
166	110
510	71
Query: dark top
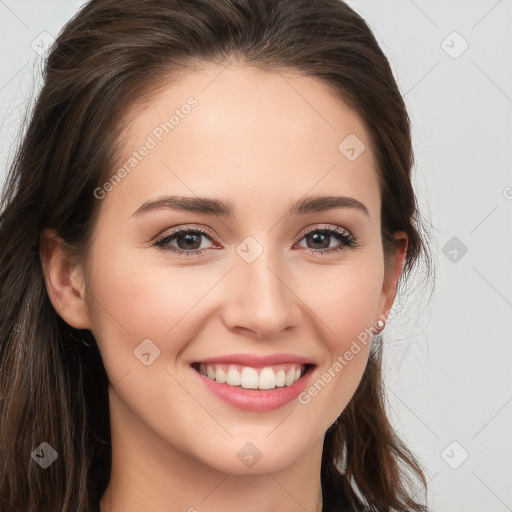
334	499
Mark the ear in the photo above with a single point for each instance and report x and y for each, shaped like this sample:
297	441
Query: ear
392	274
64	281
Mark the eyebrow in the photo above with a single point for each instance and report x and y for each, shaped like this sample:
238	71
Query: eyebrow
227	209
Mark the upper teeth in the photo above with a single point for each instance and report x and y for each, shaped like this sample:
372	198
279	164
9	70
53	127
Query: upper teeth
249	378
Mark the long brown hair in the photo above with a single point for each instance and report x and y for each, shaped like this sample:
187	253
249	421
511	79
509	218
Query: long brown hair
113	53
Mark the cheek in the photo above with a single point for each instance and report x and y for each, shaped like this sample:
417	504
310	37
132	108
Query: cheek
134	300
346	306
346	303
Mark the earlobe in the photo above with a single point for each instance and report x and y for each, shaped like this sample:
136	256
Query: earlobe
64	281
393	273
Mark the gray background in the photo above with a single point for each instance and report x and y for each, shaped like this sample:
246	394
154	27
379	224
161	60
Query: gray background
448	356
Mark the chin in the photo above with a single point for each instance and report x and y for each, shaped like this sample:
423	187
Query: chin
256	454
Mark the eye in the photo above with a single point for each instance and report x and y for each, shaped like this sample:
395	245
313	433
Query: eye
321	239
188	241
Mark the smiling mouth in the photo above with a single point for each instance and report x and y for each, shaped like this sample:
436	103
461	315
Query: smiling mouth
265	378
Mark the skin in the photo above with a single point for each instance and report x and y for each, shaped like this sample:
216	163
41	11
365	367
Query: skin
261	141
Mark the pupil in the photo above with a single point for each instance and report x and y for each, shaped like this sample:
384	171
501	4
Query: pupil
190	238
319	238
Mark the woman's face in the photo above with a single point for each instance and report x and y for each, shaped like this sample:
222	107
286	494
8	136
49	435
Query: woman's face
259	280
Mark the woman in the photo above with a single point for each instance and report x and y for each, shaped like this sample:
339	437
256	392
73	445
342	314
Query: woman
202	238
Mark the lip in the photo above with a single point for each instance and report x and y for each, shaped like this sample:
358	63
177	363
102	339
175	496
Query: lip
255	361
256	400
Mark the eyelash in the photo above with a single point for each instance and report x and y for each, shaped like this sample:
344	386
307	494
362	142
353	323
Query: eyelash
347	239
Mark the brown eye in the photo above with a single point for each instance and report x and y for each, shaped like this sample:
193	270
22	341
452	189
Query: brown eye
184	241
318	240
188	240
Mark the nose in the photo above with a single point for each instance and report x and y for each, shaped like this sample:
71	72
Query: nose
260	299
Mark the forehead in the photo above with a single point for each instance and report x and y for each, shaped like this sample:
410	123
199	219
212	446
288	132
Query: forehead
221	130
